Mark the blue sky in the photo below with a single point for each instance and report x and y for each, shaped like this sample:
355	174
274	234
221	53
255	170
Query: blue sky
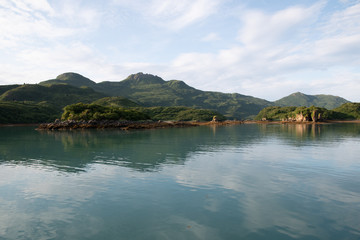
264	48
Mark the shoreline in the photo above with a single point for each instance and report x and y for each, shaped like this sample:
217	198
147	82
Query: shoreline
305	123
126	125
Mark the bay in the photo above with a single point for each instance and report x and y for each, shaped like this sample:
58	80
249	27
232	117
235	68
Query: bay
250	181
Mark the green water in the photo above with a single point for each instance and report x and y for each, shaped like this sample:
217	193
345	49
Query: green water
235	182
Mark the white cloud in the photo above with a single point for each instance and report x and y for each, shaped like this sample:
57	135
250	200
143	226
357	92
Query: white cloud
266	66
173	14
260	27
211	37
298	48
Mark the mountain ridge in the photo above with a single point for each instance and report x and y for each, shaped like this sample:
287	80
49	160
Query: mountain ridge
298	99
149	90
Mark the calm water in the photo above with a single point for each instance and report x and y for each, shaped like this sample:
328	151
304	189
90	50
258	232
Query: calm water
236	182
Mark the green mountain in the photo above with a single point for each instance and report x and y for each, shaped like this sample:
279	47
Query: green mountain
57	95
33	103
146	90
149	90
5	88
73	79
19	112
300	99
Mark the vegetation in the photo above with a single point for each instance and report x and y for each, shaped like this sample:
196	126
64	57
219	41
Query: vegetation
5	88
275	113
181	114
299	99
57	95
25	112
116	102
72	79
146	90
151	91
82	111
347	111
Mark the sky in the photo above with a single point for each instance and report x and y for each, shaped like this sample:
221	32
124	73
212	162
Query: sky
263	48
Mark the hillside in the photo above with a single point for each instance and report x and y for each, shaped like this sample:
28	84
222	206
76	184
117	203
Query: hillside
18	112
149	91
57	95
349	110
73	79
300	99
116	102
33	103
146	90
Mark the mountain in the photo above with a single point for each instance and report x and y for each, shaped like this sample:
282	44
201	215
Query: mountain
20	112
149	90
71	78
5	88
56	95
300	99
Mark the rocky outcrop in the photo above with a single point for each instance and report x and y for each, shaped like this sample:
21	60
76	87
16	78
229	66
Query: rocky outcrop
300	117
316	116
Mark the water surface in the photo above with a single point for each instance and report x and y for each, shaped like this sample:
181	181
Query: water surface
234	182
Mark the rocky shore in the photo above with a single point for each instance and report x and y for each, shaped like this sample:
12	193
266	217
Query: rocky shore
101	124
125	125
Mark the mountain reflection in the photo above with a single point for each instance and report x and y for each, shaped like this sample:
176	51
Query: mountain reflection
149	150
73	151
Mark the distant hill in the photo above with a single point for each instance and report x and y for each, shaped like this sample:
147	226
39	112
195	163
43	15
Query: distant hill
19	112
57	95
70	78
149	91
5	88
146	90
300	99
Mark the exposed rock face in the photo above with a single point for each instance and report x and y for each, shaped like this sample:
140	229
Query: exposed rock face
315	117
301	118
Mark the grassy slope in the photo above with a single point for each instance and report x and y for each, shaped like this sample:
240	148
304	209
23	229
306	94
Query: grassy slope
116	102
18	112
32	103
149	90
57	95
72	79
349	110
299	99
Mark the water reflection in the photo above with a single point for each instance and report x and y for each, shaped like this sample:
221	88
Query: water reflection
73	151
308	134
236	182
141	150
